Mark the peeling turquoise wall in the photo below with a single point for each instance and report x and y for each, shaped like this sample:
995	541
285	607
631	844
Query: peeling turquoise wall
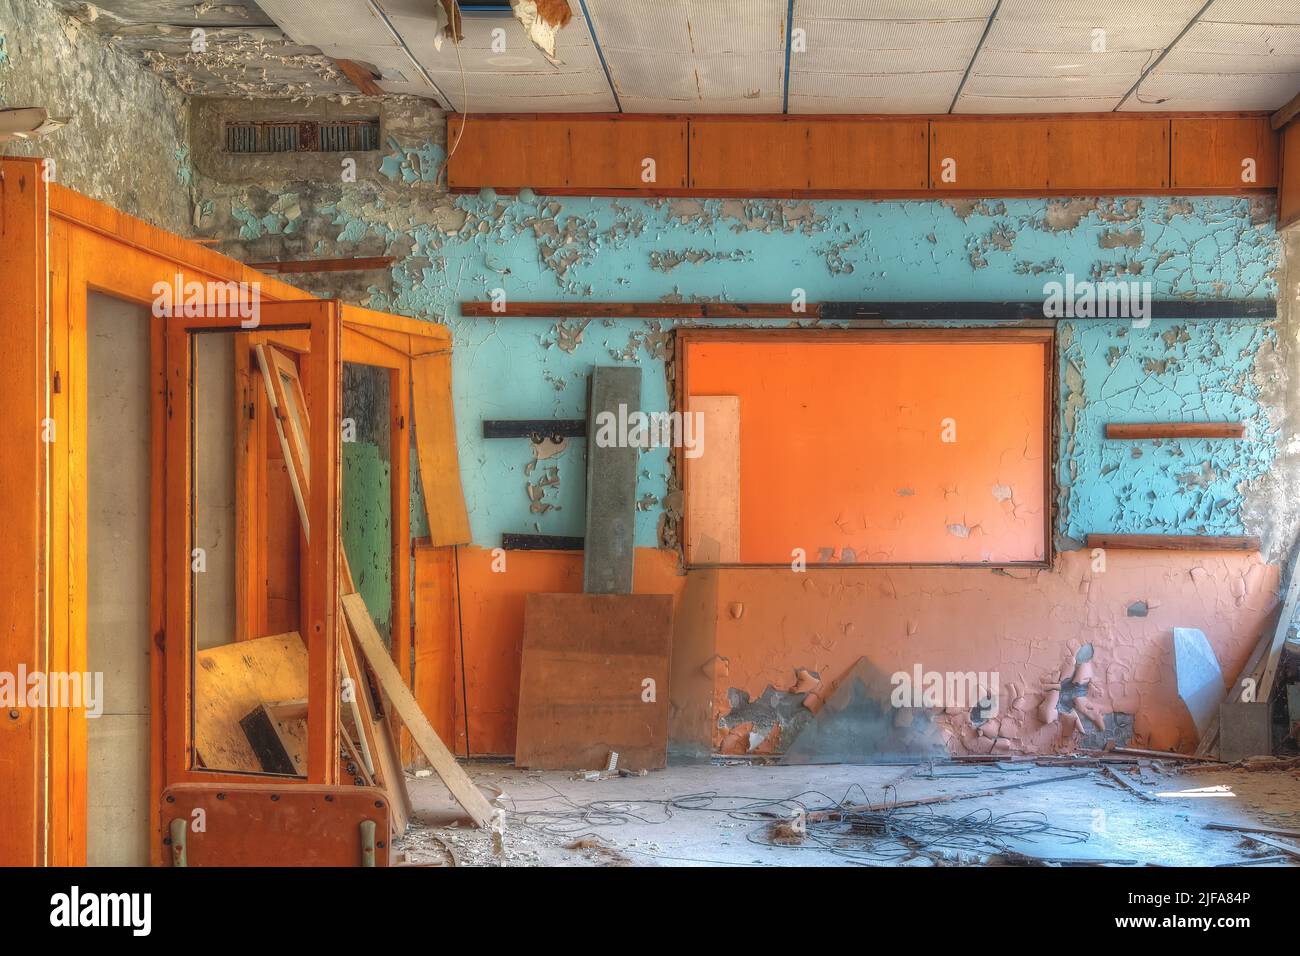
575	249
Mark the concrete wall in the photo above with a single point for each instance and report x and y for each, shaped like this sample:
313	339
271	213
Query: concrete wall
126	142
1031	625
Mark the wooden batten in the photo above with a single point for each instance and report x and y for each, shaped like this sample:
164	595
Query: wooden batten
1157	430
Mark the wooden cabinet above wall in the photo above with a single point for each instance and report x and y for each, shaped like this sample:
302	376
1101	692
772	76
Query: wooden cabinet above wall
868	157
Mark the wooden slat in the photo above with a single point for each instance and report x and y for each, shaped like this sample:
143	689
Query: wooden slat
1174	542
868	156
1286	114
1147	430
440	758
435	444
639	310
611	155
1288	196
360	77
435	633
1207	153
357	264
713	483
749	155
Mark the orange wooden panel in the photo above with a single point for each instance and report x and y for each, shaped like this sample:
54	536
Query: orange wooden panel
609	154
559	152
22	483
1288	200
1208	153
582	690
1109	154
867	155
275	825
749	154
435	639
990	154
507	153
875	450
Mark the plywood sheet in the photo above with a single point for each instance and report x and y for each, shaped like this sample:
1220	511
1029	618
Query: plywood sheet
233	680
582	686
713	480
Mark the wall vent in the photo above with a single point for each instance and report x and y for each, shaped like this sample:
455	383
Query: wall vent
302	136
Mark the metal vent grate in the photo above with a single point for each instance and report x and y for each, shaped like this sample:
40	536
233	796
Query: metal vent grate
302	136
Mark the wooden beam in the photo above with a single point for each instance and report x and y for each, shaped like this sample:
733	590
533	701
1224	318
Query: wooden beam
361	77
1147	430
359	264
1025	311
422	732
1174	542
1286	114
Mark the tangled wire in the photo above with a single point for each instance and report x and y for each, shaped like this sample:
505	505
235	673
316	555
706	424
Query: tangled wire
812	820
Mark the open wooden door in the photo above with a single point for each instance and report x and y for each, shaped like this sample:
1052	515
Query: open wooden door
207	618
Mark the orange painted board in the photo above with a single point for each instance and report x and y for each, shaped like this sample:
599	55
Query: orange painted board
883	451
1210	153
749	154
435	638
594	680
612	155
868	155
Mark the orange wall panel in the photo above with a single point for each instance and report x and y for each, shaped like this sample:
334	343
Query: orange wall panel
1208	153
990	154
749	154
867	155
507	152
844	448
1109	154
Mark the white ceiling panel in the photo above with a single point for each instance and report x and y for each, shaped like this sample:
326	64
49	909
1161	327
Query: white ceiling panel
1208	91
1041	52
1253	11
504	72
696	55
888	57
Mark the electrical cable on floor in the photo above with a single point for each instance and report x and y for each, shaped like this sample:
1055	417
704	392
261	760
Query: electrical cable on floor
812	820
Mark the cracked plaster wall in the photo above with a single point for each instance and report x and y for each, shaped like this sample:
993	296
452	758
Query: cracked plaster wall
126	144
451	249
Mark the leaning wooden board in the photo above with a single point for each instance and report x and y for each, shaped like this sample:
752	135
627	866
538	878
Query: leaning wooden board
583	688
440	758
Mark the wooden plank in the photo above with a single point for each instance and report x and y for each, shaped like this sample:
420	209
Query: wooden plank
713	483
1287	848
360	77
356	264
435	445
983	154
233	680
638	310
614	395
440	758
1241	828
23	391
1288	196
1286	114
1150	430
435	634
582	690
507	152
1174	542
1115	153
385	764
1274	653
1208	153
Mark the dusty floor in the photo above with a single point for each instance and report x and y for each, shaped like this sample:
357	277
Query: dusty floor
556	820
